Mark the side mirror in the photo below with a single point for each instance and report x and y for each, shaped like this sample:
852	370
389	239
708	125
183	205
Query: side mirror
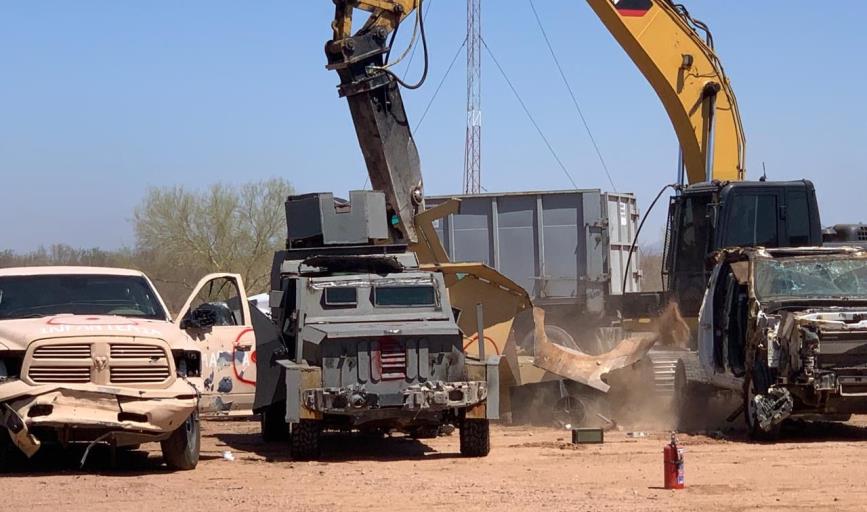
202	317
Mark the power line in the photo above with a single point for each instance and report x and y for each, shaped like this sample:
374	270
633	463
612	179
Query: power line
529	115
437	91
434	97
572	95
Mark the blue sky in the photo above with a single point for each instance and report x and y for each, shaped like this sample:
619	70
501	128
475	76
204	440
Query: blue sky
101	99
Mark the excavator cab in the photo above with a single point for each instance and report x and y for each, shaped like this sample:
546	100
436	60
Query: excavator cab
706	217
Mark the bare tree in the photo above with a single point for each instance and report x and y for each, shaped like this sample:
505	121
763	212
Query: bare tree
183	234
651	270
62	254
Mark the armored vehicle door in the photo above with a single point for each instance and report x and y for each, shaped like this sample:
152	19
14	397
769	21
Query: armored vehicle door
217	315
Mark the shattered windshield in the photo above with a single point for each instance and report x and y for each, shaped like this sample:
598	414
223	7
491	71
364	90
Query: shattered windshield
811	278
44	295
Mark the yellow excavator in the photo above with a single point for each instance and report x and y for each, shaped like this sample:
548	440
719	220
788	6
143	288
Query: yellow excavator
712	206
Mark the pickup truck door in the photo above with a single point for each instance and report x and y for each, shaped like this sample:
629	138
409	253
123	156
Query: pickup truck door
227	343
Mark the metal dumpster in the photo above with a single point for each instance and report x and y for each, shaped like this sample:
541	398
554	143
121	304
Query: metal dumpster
567	248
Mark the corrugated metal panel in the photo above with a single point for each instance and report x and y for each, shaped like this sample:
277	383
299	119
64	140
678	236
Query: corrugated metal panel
623	220
562	246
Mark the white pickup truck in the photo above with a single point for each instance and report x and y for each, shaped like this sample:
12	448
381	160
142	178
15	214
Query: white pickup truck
91	355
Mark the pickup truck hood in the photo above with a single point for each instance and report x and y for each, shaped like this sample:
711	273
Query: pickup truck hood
17	334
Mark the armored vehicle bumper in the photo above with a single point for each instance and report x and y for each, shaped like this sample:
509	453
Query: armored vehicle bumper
428	396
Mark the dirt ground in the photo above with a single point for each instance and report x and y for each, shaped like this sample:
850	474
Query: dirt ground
819	467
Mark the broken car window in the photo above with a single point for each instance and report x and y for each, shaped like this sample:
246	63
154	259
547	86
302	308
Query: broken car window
222	296
811	277
37	296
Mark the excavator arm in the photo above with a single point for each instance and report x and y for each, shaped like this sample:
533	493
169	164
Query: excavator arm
660	37
376	105
663	41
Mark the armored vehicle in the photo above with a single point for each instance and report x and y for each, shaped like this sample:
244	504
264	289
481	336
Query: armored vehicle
364	339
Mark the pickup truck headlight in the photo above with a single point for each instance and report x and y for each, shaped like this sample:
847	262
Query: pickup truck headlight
10	365
188	363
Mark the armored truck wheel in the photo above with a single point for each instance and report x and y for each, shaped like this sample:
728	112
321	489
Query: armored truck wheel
304	439
475	438
181	449
273	424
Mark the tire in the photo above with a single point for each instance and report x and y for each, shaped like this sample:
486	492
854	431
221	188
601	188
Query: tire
181	449
690	407
757	382
304	440
569	410
272	421
475	438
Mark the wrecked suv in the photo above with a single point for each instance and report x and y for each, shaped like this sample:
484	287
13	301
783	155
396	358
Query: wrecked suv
788	329
90	355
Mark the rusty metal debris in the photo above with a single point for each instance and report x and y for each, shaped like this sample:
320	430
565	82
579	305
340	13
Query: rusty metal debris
590	369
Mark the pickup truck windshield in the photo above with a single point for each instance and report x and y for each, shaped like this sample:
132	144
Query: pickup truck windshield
812	278
43	295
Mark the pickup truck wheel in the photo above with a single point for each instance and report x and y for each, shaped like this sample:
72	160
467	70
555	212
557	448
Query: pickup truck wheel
304	439
181	449
273	424
757	382
475	438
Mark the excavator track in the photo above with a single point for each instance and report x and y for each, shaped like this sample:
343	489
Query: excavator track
664	365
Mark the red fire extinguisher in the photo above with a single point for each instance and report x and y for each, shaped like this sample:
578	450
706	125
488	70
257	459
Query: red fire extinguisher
673	458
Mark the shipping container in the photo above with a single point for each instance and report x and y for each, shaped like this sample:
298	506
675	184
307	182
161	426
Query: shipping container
567	248
561	246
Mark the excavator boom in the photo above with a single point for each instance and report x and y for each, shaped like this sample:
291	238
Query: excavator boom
663	41
377	107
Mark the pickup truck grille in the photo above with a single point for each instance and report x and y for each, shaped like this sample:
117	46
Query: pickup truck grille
138	364
139	374
71	351
59	374
99	362
131	351
842	349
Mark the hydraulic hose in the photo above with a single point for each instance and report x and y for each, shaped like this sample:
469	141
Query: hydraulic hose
423	78
637	233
